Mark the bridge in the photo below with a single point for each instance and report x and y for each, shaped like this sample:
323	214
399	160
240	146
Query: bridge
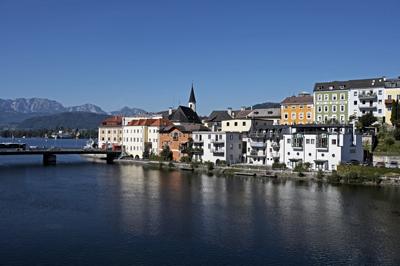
50	155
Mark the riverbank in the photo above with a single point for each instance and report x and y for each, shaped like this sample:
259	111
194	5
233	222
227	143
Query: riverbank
346	174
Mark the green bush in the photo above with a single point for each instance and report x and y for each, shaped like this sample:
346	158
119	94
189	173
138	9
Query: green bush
396	134
277	165
389	141
185	159
320	174
210	166
195	164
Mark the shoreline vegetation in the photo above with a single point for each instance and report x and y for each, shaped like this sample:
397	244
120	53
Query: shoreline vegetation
345	174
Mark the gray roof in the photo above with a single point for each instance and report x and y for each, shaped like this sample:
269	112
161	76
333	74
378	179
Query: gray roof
350	84
218	116
185	127
184	114
266	113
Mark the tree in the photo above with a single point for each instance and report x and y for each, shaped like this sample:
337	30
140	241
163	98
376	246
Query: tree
166	153
367	120
394	116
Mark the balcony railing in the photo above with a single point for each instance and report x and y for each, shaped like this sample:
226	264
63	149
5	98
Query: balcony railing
218	151
368	107
367	96
217	141
257	144
256	154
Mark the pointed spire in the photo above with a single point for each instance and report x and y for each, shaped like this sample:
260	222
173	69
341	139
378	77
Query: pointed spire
192	99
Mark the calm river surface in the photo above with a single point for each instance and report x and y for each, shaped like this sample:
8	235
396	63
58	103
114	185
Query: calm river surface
80	213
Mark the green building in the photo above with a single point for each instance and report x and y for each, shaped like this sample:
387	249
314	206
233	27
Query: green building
331	102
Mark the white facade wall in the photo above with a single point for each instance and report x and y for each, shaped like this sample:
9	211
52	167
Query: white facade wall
135	138
236	125
110	135
341	148
263	152
364	100
222	146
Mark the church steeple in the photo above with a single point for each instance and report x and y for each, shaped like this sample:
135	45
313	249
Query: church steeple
192	100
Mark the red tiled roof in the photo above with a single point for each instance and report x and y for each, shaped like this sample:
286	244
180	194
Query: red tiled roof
112	121
150	122
303	99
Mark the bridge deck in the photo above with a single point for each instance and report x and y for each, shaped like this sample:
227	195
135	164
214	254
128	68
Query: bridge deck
59	151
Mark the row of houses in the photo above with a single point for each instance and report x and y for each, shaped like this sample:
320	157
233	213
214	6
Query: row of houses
251	136
342	102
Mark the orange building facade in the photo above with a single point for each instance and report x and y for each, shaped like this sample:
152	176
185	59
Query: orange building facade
297	110
179	139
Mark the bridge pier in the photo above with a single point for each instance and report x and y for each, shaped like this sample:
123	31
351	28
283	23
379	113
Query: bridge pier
49	159
110	158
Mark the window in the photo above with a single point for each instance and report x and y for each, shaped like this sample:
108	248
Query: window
334	97
326	97
319	109
293	115
244	123
312	141
380	92
230	137
379	111
227	124
286	116
333	141
236	124
342	108
380	101
334	108
342	97
308	115
288	141
231	146
319	97
326	108
355	102
301	116
307	141
319	118
342	118
389	97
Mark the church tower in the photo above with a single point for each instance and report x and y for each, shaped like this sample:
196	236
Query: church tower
192	100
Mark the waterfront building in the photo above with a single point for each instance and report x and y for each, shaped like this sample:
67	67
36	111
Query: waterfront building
141	136
218	146
392	93
214	120
323	147
331	102
297	109
367	96
179	139
264	144
110	132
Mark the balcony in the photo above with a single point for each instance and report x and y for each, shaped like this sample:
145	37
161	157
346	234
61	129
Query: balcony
322	142
367	96
217	141
257	144
198	141
368	107
218	151
298	141
256	154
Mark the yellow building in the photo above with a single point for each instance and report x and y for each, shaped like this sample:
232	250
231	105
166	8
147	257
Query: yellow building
392	93
297	109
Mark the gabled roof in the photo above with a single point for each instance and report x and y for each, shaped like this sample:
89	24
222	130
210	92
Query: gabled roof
241	114
185	128
218	116
192	98
301	99
184	114
150	122
112	121
350	84
266	113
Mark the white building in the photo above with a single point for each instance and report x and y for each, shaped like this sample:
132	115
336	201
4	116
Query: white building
264	144
322	146
110	132
218	146
367	96
141	136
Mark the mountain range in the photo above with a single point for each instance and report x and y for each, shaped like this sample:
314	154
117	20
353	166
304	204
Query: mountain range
14	112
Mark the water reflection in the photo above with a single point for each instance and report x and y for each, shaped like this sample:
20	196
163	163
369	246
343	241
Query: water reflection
143	216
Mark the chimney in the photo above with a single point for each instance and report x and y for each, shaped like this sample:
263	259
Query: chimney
229	111
170	111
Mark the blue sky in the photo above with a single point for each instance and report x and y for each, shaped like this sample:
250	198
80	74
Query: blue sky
147	53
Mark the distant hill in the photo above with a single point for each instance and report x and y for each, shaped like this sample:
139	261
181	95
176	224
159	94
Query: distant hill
127	111
266	105
81	120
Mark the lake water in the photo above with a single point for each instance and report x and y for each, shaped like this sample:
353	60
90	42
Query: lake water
80	213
